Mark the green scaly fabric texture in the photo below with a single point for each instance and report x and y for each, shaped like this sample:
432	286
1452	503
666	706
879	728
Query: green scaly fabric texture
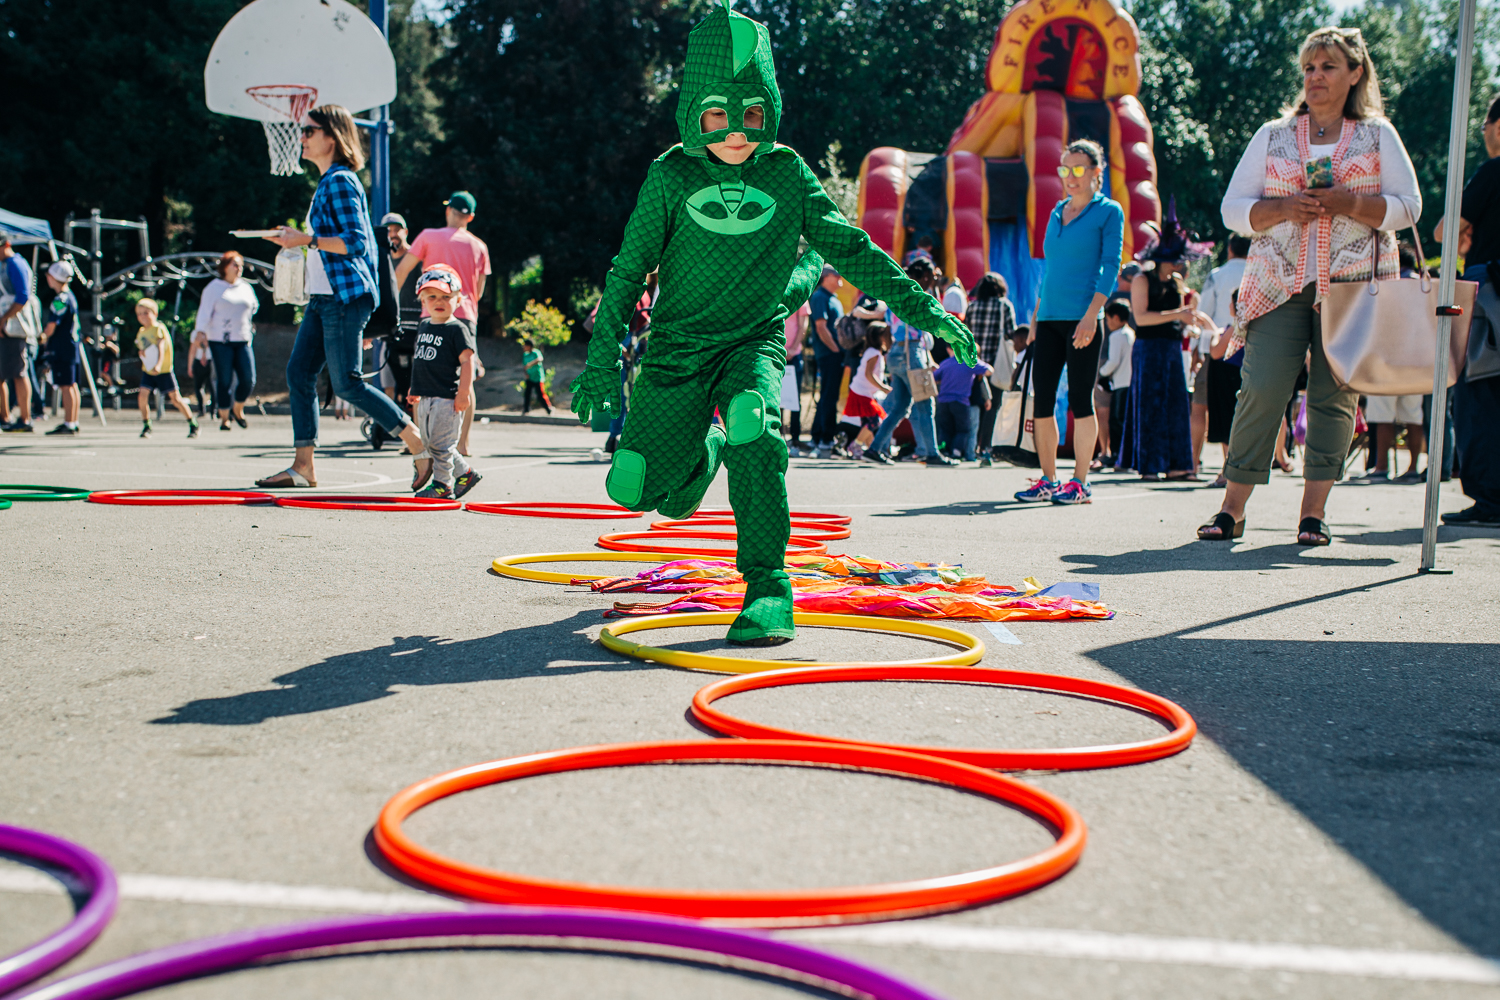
724	240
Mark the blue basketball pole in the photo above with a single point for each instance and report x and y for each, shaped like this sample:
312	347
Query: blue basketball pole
380	135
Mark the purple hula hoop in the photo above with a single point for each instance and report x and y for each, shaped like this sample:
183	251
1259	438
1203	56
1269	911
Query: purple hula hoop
96	877
217	954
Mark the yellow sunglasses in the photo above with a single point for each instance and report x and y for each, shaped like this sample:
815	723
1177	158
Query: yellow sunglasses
1075	171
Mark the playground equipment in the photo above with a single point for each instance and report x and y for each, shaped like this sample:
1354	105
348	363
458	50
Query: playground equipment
1059	70
275	59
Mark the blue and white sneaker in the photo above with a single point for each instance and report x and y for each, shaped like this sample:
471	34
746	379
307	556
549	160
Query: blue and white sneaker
1073	492
1040	491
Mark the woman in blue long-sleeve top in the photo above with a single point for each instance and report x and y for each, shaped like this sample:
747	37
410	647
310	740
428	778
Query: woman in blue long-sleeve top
1085	235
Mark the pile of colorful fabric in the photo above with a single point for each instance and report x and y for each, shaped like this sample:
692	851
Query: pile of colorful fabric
851	585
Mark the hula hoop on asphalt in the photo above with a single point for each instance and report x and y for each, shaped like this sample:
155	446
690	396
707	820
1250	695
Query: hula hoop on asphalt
178	498
970	648
797	515
511	565
818	531
658	541
791	907
571	511
95	875
18	491
339	502
226	952
1071	759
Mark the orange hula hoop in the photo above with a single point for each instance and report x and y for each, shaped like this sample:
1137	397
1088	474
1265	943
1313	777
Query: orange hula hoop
822	531
797	515
1071	759
653	541
815	906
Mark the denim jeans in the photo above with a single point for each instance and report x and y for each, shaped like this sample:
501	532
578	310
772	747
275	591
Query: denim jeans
330	335
898	405
956	427
831	377
230	359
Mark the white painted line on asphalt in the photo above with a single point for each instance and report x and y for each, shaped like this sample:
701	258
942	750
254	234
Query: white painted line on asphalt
230	892
1045	943
1100	946
1002	634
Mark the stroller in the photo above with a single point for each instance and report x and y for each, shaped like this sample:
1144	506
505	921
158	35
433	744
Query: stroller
398	346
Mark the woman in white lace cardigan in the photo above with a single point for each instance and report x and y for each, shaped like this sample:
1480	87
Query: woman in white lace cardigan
1315	188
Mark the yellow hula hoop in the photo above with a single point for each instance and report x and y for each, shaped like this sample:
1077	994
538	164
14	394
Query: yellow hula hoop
970	648
511	565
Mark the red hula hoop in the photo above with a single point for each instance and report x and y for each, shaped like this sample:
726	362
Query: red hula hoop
822	531
1072	759
177	498
797	515
574	511
624	541
843	904
333	502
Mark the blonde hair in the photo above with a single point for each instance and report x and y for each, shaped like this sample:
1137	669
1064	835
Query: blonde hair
149	304
339	124
1364	96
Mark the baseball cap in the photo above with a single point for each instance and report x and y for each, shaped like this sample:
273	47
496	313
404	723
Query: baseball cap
393	219
442	278
61	270
463	201
1130	270
830	270
869	307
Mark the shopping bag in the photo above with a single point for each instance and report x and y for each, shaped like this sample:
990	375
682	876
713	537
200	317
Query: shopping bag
1016	445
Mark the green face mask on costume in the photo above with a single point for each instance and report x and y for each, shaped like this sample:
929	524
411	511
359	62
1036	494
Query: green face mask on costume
728	67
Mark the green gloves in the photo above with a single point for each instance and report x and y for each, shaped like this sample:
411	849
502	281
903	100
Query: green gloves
960	339
599	388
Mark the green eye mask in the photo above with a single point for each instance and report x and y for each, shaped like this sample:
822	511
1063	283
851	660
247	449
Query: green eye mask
729	68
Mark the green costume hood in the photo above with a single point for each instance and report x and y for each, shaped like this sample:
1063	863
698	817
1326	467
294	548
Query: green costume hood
728	66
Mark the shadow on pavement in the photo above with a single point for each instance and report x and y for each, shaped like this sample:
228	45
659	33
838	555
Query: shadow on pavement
1196	555
417	660
1391	748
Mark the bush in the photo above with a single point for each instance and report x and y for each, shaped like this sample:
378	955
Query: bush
542	323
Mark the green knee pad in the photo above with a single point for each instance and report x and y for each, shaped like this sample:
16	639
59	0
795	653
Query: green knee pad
626	482
746	419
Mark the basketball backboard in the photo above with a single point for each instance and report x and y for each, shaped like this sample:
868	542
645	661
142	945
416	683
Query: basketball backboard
329	45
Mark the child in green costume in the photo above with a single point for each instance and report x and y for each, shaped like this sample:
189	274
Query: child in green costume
721	216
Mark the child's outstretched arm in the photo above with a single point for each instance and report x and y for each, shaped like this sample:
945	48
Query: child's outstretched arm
872	270
640	252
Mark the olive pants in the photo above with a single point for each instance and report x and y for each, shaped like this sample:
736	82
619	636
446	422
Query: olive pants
1275	346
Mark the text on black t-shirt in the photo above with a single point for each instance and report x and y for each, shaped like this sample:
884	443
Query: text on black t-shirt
434	363
1481	207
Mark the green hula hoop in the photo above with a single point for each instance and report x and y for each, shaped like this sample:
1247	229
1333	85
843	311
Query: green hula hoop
41	492
4	504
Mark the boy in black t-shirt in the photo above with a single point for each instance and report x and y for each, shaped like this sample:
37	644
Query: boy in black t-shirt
442	386
60	337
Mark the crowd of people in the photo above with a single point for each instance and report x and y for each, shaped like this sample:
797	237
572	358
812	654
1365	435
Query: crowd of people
1156	370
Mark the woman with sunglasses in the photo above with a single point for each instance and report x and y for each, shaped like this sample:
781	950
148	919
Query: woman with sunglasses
1084	238
342	289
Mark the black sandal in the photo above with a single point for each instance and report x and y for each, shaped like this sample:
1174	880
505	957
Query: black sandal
1316	528
1226	526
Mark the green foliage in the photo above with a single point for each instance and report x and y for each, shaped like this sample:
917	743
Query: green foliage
542	323
844	190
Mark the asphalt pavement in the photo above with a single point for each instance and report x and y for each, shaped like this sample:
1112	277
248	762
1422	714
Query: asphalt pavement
218	700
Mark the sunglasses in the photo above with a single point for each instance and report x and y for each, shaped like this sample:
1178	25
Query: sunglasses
308	131
1075	171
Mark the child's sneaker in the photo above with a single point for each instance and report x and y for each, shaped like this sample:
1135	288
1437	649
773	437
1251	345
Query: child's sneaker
1040	491
146	429
1073	492
437	491
465	483
193	429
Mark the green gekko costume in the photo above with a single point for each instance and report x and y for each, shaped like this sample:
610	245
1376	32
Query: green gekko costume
724	240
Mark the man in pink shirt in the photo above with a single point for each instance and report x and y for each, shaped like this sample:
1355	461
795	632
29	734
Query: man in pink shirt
455	246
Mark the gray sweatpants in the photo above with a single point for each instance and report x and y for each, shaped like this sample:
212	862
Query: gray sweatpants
440	426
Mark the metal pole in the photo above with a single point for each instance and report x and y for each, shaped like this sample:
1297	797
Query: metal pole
1458	141
96	245
380	135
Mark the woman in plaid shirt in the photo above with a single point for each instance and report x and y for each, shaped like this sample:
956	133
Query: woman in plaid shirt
992	318
341	268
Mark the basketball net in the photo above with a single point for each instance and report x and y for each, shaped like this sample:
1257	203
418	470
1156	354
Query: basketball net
284	138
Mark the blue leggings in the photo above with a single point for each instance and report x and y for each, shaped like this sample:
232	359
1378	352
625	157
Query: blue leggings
231	359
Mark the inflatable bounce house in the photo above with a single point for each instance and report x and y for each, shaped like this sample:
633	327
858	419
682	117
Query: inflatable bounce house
1060	70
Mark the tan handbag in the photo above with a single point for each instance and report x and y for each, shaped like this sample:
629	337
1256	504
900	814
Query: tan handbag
923	385
1381	336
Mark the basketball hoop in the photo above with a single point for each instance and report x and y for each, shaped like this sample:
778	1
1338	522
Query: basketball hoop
284	138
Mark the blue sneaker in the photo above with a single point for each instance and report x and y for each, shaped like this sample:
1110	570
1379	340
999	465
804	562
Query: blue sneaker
1040	491
1073	492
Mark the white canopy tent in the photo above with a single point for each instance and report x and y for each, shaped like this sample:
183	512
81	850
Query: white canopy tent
1458	140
